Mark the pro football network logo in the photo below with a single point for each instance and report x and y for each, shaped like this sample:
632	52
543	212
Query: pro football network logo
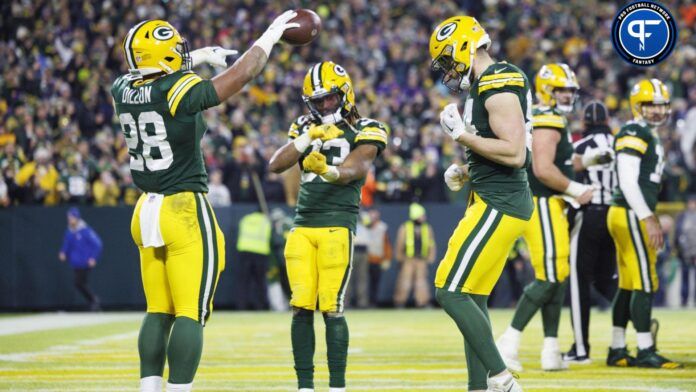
644	33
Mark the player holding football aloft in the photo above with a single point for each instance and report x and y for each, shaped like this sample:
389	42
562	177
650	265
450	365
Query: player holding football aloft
547	236
182	250
335	148
633	225
497	117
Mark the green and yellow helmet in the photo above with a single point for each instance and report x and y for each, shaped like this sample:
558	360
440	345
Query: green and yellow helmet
453	46
323	80
555	76
652	92
155	46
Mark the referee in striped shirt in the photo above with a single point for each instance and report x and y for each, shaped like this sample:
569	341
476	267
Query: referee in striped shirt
592	252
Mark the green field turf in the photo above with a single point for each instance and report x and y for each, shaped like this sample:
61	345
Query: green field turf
389	351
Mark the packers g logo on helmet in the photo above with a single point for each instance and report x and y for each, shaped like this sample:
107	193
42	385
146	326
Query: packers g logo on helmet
555	76
155	46
323	80
651	92
163	33
453	46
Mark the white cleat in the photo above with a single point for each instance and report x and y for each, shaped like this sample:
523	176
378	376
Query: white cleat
507	347
552	360
507	384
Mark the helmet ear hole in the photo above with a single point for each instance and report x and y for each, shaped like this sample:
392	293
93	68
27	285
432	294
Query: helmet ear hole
169	58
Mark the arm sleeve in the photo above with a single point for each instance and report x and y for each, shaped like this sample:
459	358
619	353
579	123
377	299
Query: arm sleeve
628	168
191	94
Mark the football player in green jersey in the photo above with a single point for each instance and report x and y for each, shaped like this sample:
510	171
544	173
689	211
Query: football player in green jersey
551	181
159	105
335	148
634	226
497	117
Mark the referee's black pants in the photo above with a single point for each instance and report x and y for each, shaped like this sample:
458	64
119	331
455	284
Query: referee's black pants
592	263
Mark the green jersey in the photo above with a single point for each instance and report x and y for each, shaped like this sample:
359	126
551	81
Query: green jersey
636	138
323	204
551	118
502	187
163	126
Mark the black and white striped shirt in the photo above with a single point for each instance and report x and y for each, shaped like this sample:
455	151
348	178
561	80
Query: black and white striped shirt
603	177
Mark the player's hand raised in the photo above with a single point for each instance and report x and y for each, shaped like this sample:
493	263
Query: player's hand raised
213	55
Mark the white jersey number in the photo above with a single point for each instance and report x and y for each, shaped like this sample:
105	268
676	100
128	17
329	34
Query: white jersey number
136	131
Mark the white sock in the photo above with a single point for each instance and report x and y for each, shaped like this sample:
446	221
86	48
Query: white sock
179	387
618	337
645	340
513	336
551	343
305	390
337	389
151	384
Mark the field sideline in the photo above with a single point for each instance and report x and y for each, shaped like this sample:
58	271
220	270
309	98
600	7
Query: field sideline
390	351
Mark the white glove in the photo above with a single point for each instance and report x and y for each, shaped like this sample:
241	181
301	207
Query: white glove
576	189
452	122
597	156
455	177
213	55
272	35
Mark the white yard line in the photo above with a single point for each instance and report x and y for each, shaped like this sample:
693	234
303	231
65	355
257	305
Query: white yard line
63	349
48	321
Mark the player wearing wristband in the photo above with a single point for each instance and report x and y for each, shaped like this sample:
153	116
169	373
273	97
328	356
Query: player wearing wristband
497	117
550	178
335	148
182	250
633	225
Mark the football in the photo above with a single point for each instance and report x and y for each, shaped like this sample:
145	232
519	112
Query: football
310	26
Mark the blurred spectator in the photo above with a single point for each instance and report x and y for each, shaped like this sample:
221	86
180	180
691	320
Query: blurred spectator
58	67
81	248
105	190
254	247
379	252
392	184
218	194
39	179
358	293
244	167
415	251
685	237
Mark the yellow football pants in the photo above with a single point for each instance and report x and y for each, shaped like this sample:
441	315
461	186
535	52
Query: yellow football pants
635	258
477	250
180	277
548	239
319	261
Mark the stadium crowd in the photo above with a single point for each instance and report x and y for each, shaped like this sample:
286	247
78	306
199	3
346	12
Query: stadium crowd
60	142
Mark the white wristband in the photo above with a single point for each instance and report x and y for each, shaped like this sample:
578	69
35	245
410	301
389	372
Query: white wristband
575	189
302	142
265	42
331	175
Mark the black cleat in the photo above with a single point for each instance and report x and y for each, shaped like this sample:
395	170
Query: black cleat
620	357
572	357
